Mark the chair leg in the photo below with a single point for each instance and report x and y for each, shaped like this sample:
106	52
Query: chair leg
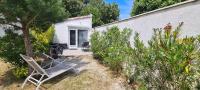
25	82
37	88
40	82
27	79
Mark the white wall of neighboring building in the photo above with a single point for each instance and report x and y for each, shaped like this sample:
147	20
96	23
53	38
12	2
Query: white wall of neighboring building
187	12
62	28
2	32
3	28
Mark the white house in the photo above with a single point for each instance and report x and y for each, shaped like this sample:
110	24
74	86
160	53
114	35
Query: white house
73	31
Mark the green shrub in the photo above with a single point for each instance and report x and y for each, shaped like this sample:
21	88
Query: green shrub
96	45
118	44
111	46
41	40
20	72
12	44
168	62
138	54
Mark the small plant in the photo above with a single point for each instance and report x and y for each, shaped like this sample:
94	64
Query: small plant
20	72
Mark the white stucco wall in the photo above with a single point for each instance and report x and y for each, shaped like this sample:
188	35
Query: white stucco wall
62	28
5	27
187	12
2	33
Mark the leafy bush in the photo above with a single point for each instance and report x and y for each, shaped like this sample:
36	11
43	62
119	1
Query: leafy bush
12	44
96	45
111	46
137	55
42	40
168	62
20	72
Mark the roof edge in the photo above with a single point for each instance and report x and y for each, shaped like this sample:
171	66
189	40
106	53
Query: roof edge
79	17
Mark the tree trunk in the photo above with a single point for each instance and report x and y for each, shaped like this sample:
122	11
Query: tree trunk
27	41
28	45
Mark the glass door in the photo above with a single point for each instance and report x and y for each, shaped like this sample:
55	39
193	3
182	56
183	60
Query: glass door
72	36
82	37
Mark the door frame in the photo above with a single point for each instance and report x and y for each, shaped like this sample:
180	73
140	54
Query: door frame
76	33
76	39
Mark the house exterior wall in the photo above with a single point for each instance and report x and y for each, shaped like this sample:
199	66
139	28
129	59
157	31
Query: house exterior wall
187	12
62	29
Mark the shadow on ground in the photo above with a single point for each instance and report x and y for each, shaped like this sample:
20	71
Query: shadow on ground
8	79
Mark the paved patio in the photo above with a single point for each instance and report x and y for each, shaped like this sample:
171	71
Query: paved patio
76	52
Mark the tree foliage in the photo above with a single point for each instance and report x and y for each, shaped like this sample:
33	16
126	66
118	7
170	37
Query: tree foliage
23	14
96	18
31	12
110	13
102	13
73	7
142	6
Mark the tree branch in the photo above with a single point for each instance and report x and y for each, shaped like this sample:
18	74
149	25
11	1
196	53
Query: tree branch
32	19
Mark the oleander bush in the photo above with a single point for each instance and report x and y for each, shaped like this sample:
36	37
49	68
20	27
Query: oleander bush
111	46
168	62
96	45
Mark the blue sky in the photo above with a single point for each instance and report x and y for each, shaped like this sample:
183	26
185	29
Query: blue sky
125	7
